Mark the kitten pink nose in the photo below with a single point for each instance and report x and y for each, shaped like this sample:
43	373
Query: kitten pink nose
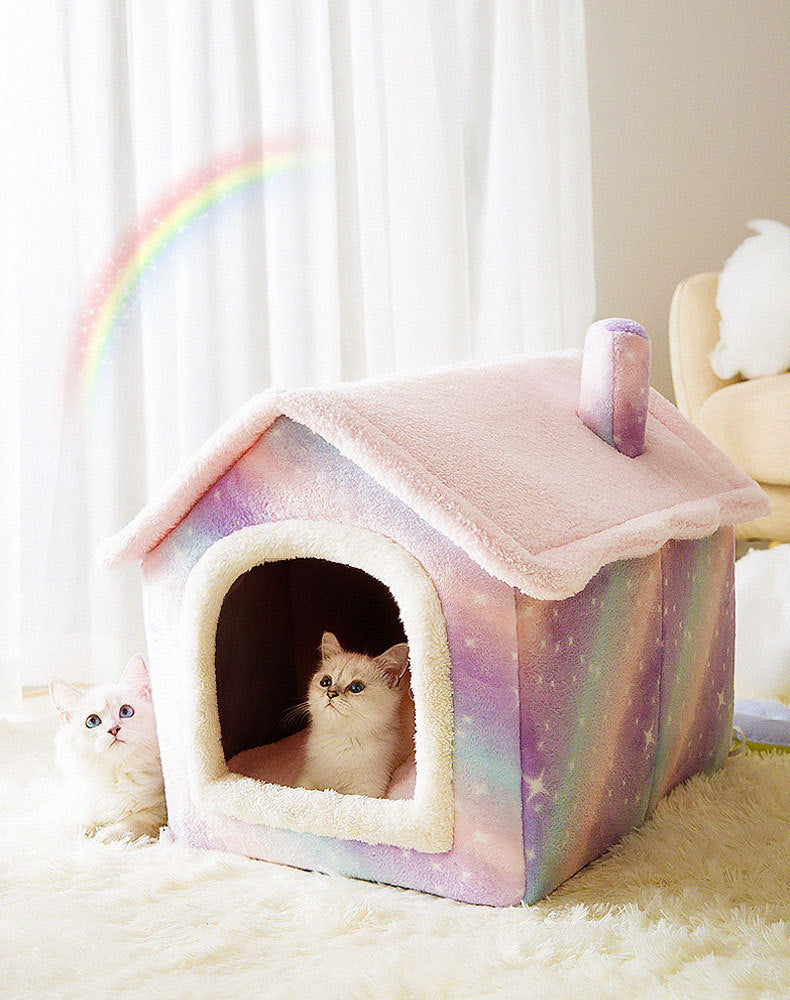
114	730
332	694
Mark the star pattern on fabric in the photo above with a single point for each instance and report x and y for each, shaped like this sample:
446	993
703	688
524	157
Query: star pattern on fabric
535	785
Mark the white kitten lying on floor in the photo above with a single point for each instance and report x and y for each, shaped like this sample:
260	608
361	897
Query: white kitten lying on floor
361	720
108	754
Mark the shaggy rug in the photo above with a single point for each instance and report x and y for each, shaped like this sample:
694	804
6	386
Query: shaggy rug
695	904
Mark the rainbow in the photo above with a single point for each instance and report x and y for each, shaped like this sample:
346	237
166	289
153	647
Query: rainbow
187	202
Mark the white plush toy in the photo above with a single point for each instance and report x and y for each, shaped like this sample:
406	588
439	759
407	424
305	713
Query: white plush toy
754	302
762	626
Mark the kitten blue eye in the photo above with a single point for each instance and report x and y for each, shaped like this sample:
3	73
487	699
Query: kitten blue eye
325	681
126	711
356	686
93	721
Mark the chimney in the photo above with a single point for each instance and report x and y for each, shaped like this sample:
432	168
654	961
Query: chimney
615	380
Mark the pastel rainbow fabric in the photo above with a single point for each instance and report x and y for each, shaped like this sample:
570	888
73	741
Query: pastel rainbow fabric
613	396
572	717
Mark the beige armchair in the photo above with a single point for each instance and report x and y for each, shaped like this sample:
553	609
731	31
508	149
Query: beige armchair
748	420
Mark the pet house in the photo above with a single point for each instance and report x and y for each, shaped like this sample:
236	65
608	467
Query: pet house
560	564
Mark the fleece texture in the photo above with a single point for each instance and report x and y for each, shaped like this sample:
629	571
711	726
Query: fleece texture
762	643
695	904
626	691
542	726
753	299
281	762
292	474
496	458
424	821
615	384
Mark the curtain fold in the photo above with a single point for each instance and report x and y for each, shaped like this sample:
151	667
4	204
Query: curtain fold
431	204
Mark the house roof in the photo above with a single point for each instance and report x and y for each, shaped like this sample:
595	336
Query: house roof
495	457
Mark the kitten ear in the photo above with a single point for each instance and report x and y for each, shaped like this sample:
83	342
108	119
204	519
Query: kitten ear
330	646
135	676
64	697
394	662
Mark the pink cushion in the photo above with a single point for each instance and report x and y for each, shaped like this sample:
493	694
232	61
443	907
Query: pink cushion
279	763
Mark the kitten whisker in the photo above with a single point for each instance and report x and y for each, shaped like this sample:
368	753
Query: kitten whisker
365	731
296	713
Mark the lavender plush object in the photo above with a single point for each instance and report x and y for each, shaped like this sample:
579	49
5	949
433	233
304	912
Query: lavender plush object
613	397
569	611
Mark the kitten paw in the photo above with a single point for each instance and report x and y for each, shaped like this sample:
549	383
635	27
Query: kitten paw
118	832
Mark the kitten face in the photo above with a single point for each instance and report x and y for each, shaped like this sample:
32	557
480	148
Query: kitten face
110	724
354	692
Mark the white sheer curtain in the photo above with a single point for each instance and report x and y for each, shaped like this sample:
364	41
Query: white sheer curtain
447	216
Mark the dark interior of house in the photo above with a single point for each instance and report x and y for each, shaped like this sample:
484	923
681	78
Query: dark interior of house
268	637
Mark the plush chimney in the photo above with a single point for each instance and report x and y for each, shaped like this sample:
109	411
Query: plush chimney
615	381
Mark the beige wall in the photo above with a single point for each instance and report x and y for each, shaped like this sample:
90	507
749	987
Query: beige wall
690	119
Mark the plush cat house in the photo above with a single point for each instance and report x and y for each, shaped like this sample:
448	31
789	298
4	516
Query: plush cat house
560	562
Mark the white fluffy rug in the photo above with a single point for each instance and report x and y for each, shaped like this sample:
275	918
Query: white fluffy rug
696	904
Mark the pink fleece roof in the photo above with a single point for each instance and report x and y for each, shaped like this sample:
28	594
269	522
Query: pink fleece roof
493	456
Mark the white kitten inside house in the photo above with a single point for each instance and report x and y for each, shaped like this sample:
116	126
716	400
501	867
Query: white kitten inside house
107	752
361	720
316	692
